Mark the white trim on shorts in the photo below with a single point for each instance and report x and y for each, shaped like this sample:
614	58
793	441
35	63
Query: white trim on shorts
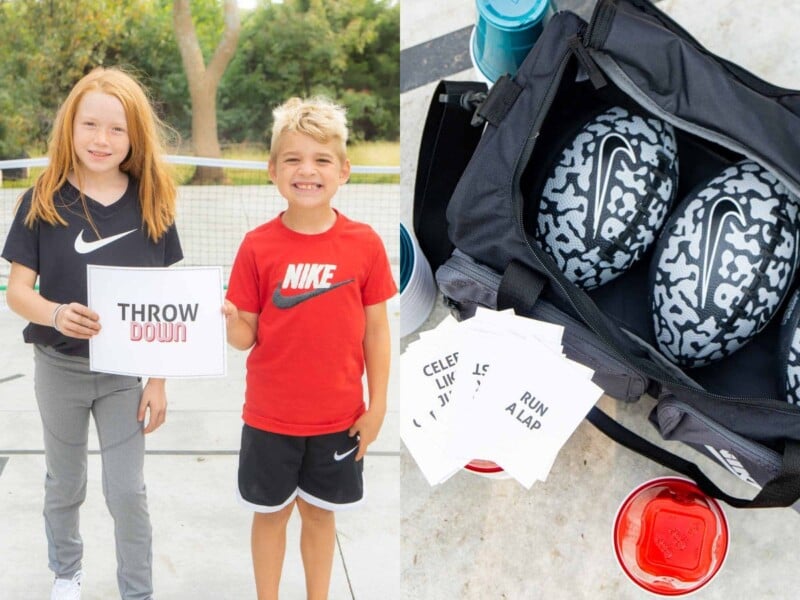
324	504
260	508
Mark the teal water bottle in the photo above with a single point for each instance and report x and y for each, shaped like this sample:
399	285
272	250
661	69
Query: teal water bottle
504	33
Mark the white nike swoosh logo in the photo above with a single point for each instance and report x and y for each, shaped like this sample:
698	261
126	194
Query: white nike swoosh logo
84	247
610	146
337	456
724	210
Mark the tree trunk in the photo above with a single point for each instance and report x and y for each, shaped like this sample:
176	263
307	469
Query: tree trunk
204	81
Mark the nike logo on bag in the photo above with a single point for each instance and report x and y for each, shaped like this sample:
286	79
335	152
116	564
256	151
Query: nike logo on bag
733	464
84	247
337	457
720	214
281	301
611	144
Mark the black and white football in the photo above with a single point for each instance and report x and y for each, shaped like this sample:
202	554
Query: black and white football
789	351
723	264
607	195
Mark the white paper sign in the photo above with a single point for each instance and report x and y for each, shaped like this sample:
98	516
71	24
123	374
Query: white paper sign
427	374
495	387
530	408
158	322
487	337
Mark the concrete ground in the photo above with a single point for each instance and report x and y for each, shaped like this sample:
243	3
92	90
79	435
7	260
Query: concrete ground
475	538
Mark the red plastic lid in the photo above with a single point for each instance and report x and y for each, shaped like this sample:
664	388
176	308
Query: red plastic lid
669	537
484	467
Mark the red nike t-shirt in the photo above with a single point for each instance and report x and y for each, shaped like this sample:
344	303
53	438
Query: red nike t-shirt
309	291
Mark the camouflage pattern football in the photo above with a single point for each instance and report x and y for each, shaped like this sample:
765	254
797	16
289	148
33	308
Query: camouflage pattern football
607	195
723	264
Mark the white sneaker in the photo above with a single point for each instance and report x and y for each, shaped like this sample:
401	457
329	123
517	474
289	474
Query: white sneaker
67	589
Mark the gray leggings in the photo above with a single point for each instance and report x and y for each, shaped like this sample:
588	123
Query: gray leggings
67	392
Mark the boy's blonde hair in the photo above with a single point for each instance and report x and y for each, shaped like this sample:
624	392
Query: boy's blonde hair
157	190
318	117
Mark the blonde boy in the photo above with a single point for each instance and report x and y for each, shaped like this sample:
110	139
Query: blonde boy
308	293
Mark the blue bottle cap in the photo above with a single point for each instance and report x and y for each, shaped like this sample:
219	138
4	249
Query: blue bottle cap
512	14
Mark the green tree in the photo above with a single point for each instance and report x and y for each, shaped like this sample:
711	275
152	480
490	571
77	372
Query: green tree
372	79
47	46
306	47
203	77
154	51
346	49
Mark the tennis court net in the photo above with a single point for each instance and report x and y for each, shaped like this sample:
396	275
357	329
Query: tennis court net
212	219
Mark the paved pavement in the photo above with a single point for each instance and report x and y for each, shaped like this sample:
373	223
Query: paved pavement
475	538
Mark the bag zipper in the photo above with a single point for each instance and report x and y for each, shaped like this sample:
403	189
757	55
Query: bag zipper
604	13
580	52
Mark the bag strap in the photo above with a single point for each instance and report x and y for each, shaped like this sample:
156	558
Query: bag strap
448	141
499	100
781	491
520	288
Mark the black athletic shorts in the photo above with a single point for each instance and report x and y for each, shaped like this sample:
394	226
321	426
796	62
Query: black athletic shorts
321	469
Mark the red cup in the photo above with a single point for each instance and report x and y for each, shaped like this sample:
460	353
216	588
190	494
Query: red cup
669	537
486	468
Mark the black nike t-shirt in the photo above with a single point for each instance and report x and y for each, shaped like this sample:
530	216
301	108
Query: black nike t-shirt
60	254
